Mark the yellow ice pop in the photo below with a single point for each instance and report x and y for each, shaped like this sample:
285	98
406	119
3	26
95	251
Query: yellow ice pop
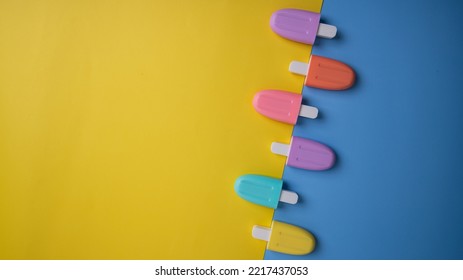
285	238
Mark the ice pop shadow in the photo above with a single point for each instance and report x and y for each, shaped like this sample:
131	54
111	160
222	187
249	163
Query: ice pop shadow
321	41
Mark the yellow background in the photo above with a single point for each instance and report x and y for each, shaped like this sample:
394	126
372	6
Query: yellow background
124	124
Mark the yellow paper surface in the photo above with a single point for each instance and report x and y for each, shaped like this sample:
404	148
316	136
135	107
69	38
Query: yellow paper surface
124	124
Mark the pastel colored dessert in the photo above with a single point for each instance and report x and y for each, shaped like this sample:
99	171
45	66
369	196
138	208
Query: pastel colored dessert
300	25
263	190
282	106
285	238
305	154
324	73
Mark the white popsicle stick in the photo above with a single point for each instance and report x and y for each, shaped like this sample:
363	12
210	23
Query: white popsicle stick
297	67
326	31
308	112
262	233
289	197
280	149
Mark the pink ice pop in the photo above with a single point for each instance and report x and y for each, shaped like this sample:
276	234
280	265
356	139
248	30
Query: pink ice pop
282	106
305	154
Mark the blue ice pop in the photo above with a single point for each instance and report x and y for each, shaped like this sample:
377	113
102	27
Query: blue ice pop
263	190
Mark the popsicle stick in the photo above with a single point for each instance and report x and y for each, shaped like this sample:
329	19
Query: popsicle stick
308	112
289	197
297	67
280	149
262	233
326	31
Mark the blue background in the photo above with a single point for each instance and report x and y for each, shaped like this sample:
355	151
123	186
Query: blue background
396	191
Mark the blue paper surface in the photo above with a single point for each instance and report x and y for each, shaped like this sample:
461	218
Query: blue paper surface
396	191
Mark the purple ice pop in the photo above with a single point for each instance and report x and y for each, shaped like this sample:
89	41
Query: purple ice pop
300	26
305	154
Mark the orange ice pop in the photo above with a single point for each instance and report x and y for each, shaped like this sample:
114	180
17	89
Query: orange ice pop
324	73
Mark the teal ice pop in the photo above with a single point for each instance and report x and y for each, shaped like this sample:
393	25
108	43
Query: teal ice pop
263	190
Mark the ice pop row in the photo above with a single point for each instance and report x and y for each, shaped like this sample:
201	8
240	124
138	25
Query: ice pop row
320	72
